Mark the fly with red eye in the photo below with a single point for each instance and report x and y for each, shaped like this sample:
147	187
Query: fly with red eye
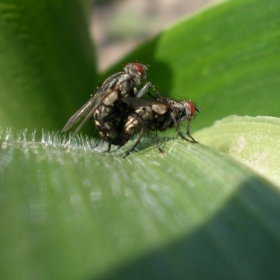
119	111
157	115
106	107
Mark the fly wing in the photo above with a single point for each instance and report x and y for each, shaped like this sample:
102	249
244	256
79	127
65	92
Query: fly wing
83	111
86	111
138	102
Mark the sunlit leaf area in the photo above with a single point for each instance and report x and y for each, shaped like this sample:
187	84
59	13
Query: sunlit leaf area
206	210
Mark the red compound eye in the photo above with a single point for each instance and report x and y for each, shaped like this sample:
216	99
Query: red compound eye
139	68
192	107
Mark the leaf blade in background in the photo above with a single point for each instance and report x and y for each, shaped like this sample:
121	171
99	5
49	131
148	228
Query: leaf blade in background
46	62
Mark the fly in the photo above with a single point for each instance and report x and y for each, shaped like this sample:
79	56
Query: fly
106	106
158	115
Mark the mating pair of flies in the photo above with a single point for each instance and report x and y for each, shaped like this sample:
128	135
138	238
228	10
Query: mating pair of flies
119	111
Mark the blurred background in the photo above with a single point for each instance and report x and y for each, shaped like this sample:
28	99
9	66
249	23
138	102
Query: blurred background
118	26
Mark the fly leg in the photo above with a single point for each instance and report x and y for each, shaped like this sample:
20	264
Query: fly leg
150	134
116	149
138	140
140	135
189	132
156	91
156	143
96	145
109	148
143	90
180	132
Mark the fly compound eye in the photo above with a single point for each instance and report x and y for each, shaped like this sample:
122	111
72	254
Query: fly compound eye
140	68
193	108
137	70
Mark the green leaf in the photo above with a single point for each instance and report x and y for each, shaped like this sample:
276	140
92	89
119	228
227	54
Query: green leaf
253	141
74	213
226	58
46	60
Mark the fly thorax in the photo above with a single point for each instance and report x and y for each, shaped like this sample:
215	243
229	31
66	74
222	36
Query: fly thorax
126	87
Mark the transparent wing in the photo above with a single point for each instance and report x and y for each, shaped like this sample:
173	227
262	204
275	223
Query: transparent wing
157	106
140	102
83	111
86	118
